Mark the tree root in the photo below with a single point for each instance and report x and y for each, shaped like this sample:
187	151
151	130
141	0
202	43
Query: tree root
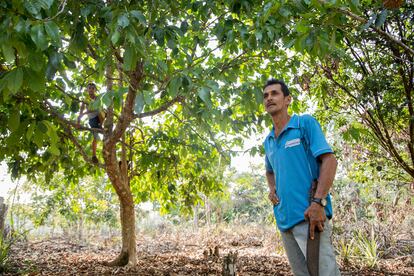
121	260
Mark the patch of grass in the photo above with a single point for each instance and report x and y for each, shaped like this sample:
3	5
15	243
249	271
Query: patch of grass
346	250
5	244
367	248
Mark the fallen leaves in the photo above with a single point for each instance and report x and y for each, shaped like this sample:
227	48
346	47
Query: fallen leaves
174	253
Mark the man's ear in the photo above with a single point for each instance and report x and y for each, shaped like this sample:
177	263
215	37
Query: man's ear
288	99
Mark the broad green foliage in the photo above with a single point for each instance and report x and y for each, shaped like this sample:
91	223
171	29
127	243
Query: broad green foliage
354	59
195	70
197	81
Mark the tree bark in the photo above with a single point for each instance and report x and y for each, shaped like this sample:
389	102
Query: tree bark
3	212
128	255
119	177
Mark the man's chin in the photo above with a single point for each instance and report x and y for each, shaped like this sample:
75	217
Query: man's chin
272	112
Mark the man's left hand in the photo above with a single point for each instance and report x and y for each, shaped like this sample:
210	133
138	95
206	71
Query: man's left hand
316	216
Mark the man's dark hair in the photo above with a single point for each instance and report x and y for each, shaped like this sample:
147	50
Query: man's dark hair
272	81
91	84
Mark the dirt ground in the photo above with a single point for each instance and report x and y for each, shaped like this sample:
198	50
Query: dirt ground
174	253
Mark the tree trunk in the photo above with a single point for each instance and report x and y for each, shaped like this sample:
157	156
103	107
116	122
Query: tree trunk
3	212
120	181
195	210
117	171
128	255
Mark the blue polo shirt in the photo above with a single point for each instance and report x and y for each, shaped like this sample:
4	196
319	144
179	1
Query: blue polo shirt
292	157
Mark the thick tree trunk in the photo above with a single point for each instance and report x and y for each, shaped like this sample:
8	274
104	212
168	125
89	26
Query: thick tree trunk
3	212
117	171
120	181
128	254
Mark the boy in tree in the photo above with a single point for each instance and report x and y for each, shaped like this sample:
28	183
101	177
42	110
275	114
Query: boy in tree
95	118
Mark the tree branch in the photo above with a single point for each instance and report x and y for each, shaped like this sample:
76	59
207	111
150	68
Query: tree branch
387	36
162	108
127	116
81	149
49	109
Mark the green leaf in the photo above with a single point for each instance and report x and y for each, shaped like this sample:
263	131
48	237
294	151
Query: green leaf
259	35
162	66
51	132
205	96
38	138
53	31
34	81
70	64
258	94
96	104
123	21
184	27
130	58
30	131
290	43
354	5
186	82
55	58
38	36
106	98
171	44
31	8
14	120
86	11
15	80
37	61
173	86
138	15
115	37
50	71
159	36
148	97
45	4
41	126
139	103
54	150
8	52
381	18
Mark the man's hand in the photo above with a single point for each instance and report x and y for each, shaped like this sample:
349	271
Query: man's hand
273	197
316	216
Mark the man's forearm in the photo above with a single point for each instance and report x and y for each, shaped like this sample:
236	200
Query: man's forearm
326	175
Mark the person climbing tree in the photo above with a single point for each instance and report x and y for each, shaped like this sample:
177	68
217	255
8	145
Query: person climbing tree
95	117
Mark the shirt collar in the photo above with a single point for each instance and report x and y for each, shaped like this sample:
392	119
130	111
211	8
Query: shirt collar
293	123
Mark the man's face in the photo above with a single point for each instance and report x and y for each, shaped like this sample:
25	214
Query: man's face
274	100
91	90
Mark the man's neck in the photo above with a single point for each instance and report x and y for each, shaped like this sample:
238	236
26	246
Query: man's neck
279	121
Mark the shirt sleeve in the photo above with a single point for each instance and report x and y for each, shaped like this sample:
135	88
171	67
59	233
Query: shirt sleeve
317	140
268	165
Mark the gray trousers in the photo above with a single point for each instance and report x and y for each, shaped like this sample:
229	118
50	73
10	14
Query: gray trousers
295	241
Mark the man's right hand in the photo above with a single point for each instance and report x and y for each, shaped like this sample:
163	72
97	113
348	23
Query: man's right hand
273	198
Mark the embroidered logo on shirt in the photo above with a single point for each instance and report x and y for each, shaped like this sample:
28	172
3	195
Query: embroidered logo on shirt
292	143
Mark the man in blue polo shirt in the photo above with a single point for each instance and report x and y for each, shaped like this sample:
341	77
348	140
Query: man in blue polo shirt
296	154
